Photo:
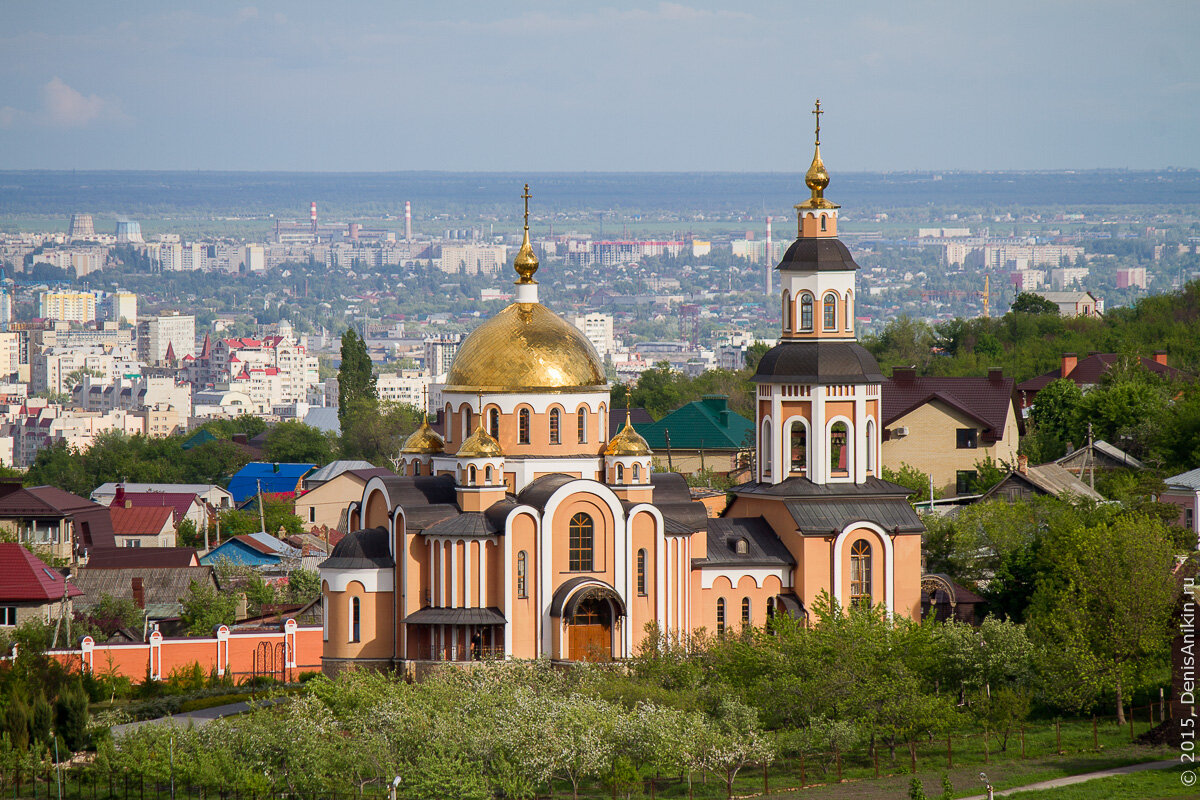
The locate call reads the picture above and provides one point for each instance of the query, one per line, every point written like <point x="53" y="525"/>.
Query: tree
<point x="1107" y="621"/>
<point x="376" y="431"/>
<point x="204" y="608"/>
<point x="1056" y="411"/>
<point x="733" y="740"/>
<point x="754" y="354"/>
<point x="914" y="480"/>
<point x="1030" y="303"/>
<point x="356" y="378"/>
<point x="293" y="442"/>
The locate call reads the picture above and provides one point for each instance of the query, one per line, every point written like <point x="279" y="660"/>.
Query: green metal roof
<point x="703" y="424"/>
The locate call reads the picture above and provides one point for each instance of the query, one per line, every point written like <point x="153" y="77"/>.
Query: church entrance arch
<point x="590" y="612"/>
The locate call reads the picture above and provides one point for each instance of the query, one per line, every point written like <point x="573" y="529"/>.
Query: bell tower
<point x="818" y="396"/>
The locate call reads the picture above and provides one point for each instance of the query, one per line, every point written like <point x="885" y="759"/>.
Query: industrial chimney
<point x="312" y="214"/>
<point x="408" y="220"/>
<point x="769" y="259"/>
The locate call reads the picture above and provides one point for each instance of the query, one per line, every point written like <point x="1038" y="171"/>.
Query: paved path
<point x="197" y="718"/>
<point x="1087" y="776"/>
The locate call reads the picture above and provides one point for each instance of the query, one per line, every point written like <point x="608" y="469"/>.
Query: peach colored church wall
<point x="131" y="660"/>
<point x="602" y="537"/>
<point x="524" y="610"/>
<point x="908" y="574"/>
<point x="878" y="569"/>
<point x="746" y="587"/>
<point x="376" y="622"/>
<point x="641" y="606"/>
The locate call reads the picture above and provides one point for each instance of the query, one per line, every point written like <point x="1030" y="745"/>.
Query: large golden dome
<point x="526" y="348"/>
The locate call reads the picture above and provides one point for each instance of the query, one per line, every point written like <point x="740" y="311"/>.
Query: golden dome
<point x="526" y="262"/>
<point x="424" y="440"/>
<point x="627" y="442"/>
<point x="526" y="348"/>
<point x="817" y="177"/>
<point x="480" y="444"/>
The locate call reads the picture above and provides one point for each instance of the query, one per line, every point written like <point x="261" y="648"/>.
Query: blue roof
<point x="273" y="478"/>
<point x="238" y="552"/>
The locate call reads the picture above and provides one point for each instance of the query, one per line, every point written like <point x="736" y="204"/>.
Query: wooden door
<point x="590" y="632"/>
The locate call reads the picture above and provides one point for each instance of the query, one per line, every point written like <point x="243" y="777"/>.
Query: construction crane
<point x="987" y="295"/>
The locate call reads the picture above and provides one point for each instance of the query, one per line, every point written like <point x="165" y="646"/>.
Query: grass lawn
<point x="1149" y="785"/>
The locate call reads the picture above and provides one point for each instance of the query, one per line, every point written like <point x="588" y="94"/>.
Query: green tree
<point x="294" y="442"/>
<point x="356" y="378"/>
<point x="754" y="354"/>
<point x="376" y="431"/>
<point x="1030" y="303"/>
<point x="1056" y="412"/>
<point x="914" y="480"/>
<point x="204" y="608"/>
<point x="1106" y="619"/>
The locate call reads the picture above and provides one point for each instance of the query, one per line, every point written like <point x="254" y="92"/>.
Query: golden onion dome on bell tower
<point x="424" y="440"/>
<point x="817" y="177"/>
<point x="627" y="442"/>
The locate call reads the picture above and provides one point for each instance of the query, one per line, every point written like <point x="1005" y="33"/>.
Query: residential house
<point x="1075" y="304"/>
<point x="1099" y="456"/>
<point x="261" y="550"/>
<point x="215" y="496"/>
<point x="1088" y="371"/>
<point x="57" y="523"/>
<point x="147" y="557"/>
<point x="698" y="435"/>
<point x="331" y="470"/>
<point x="255" y="477"/>
<point x="158" y="591"/>
<point x="326" y="504"/>
<point x="30" y="590"/>
<point x="1046" y="479"/>
<point x="143" y="526"/>
<point x="1183" y="490"/>
<point x="945" y="426"/>
<point x="186" y="505"/>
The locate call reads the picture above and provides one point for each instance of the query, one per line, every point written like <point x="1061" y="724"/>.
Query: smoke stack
<point x="768" y="258"/>
<point x="312" y="215"/>
<point x="139" y="592"/>
<point x="408" y="220"/>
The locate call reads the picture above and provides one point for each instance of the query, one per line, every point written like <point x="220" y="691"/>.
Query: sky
<point x="599" y="86"/>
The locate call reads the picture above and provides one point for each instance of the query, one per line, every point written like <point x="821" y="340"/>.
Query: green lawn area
<point x="1149" y="785"/>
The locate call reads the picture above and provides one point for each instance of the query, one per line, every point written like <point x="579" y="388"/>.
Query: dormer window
<point x="741" y="547"/>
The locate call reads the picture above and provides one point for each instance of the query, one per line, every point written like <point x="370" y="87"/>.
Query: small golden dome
<point x="480" y="444"/>
<point x="817" y="177"/>
<point x="526" y="348"/>
<point x="424" y="440"/>
<point x="526" y="262"/>
<point x="627" y="442"/>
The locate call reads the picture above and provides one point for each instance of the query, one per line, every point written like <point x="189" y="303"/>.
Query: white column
<point x="453" y="574"/>
<point x="860" y="433"/>
<point x="468" y="574"/>
<point x="778" y="472"/>
<point x="816" y="438"/>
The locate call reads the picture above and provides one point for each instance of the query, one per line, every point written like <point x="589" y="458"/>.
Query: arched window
<point x="523" y="426"/>
<point x="787" y="311"/>
<point x="580" y="543"/>
<point x="830" y="312"/>
<point x="870" y="445"/>
<point x="641" y="572"/>
<point x="798" y="447"/>
<point x="637" y="473"/>
<point x="806" y="312"/>
<point x="620" y="473"/>
<point x="839" y="452"/>
<point x="466" y="422"/>
<point x="471" y="475"/>
<point x="764" y="450"/>
<point x="449" y="424"/>
<point x="355" y="619"/>
<point x="720" y="616"/>
<point x="582" y="425"/>
<point x="554" y="426"/>
<point x="416" y="467"/>
<point x="600" y="423"/>
<point x="521" y="589"/>
<point x="860" y="573"/>
<point x="487" y="475"/>
<point x="494" y="422"/>
<point x="745" y="612"/>
<point x="741" y="547"/>
<point x="823" y="223"/>
<point x="849" y="310"/>
<point x="770" y="609"/>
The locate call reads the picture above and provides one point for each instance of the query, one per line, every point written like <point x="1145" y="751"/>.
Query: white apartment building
<point x="278" y="369"/>
<point x="440" y="352"/>
<point x="52" y="366"/>
<point x="121" y="307"/>
<point x="172" y="332"/>
<point x="598" y="328"/>
<point x="409" y="387"/>
<point x="133" y="393"/>
<point x="195" y="256"/>
<point x="6" y="309"/>
<point x="49" y="424"/>
<point x="170" y="256"/>
<point x="254" y="259"/>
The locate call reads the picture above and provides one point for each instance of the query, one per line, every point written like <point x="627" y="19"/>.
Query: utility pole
<point x="262" y="520"/>
<point x="1091" y="460"/>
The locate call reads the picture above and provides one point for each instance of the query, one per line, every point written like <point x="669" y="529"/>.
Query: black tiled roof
<point x="817" y="255"/>
<point x="823" y="516"/>
<point x="763" y="547"/>
<point x="455" y="616"/>
<point x="468" y="523"/>
<point x="818" y="362"/>
<point x="803" y="487"/>
<point x="365" y="549"/>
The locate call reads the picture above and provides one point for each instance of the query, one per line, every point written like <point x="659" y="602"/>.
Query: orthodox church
<point x="524" y="532"/>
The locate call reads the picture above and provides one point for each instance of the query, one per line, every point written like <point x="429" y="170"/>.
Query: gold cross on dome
<point x="816" y="112"/>
<point x="526" y="195"/>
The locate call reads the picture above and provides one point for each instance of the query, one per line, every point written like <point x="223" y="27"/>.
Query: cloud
<point x="62" y="107"/>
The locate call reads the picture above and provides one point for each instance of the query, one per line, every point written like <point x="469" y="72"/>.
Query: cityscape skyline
<point x="226" y="86"/>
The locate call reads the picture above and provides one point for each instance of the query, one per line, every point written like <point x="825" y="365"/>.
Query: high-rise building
<point x="173" y="332"/>
<point x="440" y="352"/>
<point x="598" y="328"/>
<point x="67" y="306"/>
<point x="129" y="232"/>
<point x="121" y="307"/>
<point x="6" y="309"/>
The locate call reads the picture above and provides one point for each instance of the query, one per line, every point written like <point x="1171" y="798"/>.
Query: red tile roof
<point x="141" y="520"/>
<point x="1089" y="370"/>
<point x="180" y="501"/>
<point x="985" y="400"/>
<point x="24" y="577"/>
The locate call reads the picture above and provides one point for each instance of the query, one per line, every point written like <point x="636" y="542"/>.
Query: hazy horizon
<point x="623" y="87"/>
